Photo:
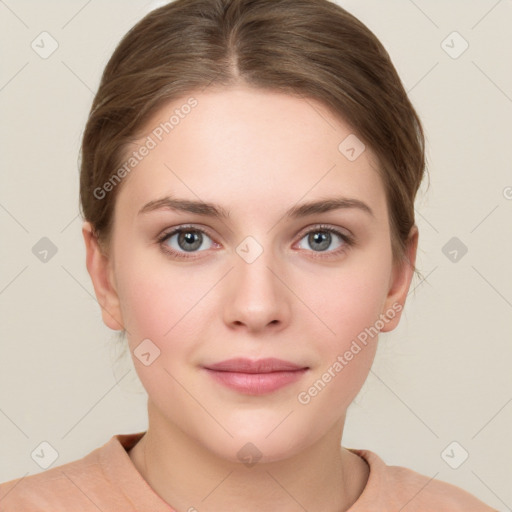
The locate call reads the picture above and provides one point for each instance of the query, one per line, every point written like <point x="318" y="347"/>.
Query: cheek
<point x="346" y="354"/>
<point x="347" y="302"/>
<point x="166" y="305"/>
<point x="155" y="308"/>
<point x="154" y="295"/>
<point x="348" y="306"/>
<point x="145" y="309"/>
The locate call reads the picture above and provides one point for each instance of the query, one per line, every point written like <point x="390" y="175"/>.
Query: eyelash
<point x="349" y="241"/>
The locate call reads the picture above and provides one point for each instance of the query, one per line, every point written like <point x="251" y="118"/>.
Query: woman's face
<point x="268" y="280"/>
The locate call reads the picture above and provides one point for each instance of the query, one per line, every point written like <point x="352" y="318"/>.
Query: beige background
<point x="444" y="375"/>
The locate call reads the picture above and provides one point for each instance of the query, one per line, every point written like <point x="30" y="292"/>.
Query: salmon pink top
<point x="107" y="480"/>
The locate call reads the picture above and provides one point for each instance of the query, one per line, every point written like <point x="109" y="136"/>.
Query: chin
<point x="265" y="444"/>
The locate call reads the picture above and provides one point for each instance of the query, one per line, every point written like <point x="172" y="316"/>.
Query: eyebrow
<point x="216" y="211"/>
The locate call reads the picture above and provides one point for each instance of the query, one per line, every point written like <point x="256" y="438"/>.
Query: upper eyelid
<point x="183" y="227"/>
<point x="323" y="225"/>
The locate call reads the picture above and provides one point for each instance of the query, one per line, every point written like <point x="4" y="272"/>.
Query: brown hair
<point x="311" y="48"/>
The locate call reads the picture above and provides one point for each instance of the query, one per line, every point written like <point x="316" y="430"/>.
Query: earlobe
<point x="99" y="268"/>
<point x="400" y="282"/>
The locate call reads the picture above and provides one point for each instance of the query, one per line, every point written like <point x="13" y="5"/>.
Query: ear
<point x="99" y="268"/>
<point x="400" y="282"/>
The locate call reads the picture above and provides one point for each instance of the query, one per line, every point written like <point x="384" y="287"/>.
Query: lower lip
<point x="256" y="383"/>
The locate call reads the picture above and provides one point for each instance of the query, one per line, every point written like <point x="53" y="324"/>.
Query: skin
<point x="255" y="153"/>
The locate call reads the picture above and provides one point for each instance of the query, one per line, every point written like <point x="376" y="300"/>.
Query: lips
<point x="255" y="377"/>
<point x="243" y="365"/>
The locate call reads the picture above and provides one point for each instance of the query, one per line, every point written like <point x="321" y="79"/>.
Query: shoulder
<point x="402" y="488"/>
<point x="76" y="485"/>
<point x="53" y="489"/>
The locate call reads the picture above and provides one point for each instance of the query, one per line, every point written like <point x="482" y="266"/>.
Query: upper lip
<point x="244" y="365"/>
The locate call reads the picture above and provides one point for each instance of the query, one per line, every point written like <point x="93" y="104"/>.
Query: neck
<point x="322" y="477"/>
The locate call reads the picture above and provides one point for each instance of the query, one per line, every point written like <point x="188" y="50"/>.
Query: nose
<point x="256" y="296"/>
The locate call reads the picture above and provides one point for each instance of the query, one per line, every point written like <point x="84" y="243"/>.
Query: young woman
<point x="248" y="177"/>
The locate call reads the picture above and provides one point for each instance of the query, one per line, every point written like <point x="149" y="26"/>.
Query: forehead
<point x="245" y="148"/>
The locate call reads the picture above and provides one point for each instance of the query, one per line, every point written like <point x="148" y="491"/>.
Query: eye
<point x="321" y="238"/>
<point x="183" y="240"/>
